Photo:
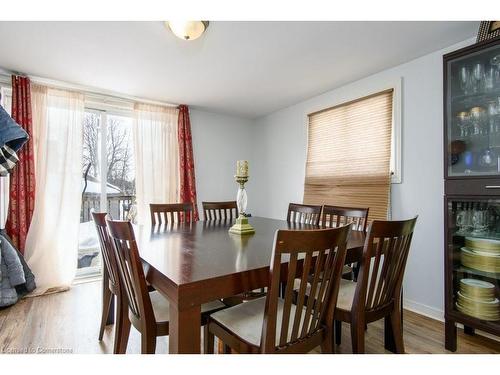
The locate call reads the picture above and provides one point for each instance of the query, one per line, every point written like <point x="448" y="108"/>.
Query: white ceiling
<point x="243" y="68"/>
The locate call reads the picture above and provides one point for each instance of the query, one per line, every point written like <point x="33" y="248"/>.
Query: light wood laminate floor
<point x="68" y="322"/>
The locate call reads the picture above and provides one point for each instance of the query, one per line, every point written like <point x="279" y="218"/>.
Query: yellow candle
<point x="242" y="168"/>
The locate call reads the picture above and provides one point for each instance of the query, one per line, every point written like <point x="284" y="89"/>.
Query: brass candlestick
<point x="242" y="226"/>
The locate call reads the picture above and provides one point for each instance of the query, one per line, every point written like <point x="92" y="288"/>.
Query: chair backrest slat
<point x="220" y="210"/>
<point x="304" y="214"/>
<point x="383" y="264"/>
<point x="303" y="254"/>
<point x="106" y="244"/>
<point x="131" y="271"/>
<point x="163" y="214"/>
<point x="335" y="216"/>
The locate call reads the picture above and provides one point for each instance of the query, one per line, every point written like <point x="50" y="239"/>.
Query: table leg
<point x="184" y="330"/>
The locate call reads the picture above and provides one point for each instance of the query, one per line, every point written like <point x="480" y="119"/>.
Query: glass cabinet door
<point x="474" y="258"/>
<point x="473" y="113"/>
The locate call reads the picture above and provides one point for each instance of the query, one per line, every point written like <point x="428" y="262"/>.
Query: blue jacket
<point x="16" y="279"/>
<point x="11" y="134"/>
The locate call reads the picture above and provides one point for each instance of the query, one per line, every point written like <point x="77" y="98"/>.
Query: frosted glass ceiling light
<point x="187" y="30"/>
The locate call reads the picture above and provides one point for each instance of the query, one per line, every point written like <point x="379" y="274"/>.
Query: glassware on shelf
<point x="492" y="111"/>
<point x="480" y="221"/>
<point x="488" y="159"/>
<point x="465" y="80"/>
<point x="495" y="63"/>
<point x="489" y="78"/>
<point x="468" y="161"/>
<point x="461" y="221"/>
<point x="477" y="77"/>
<point x="463" y="123"/>
<point x="477" y="118"/>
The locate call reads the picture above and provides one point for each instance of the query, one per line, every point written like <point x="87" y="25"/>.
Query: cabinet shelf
<point x="488" y="275"/>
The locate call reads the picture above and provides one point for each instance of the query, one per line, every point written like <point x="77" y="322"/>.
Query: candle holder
<point x="242" y="226"/>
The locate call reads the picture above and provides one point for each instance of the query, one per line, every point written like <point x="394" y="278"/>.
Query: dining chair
<point x="288" y="325"/>
<point x="148" y="312"/>
<point x="169" y="213"/>
<point x="220" y="210"/>
<point x="377" y="292"/>
<point x="335" y="216"/>
<point x="111" y="287"/>
<point x="304" y="214"/>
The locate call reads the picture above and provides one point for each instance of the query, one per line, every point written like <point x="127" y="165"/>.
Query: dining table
<point x="195" y="263"/>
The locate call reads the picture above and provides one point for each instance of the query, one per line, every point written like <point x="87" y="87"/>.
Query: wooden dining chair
<point x="377" y="292"/>
<point x="149" y="312"/>
<point x="111" y="281"/>
<point x="304" y="214"/>
<point x="288" y="325"/>
<point x="335" y="216"/>
<point x="220" y="210"/>
<point x="171" y="213"/>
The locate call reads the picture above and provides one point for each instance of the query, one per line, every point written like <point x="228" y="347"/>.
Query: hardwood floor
<point x="68" y="322"/>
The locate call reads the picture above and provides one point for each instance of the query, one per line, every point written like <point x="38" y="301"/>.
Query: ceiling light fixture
<point x="187" y="30"/>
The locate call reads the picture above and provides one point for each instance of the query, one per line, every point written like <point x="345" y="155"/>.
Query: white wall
<point x="281" y="141"/>
<point x="218" y="141"/>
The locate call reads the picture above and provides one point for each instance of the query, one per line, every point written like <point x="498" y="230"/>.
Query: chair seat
<point x="296" y="283"/>
<point x="245" y="320"/>
<point x="161" y="307"/>
<point x="346" y="294"/>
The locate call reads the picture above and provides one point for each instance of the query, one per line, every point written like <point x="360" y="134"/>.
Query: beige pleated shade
<point x="349" y="152"/>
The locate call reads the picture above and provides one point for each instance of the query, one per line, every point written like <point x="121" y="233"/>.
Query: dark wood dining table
<point x="191" y="264"/>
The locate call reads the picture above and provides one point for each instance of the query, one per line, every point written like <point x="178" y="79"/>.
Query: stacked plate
<point x="477" y="298"/>
<point x="481" y="254"/>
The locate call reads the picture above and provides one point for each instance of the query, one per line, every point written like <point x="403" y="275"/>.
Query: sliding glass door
<point x="108" y="180"/>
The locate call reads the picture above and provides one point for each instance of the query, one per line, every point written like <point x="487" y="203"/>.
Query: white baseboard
<point x="420" y="308"/>
<point x="436" y="314"/>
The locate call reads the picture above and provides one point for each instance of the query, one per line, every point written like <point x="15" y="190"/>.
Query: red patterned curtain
<point x="186" y="160"/>
<point x="22" y="177"/>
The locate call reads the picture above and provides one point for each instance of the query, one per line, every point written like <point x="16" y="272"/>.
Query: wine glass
<point x="489" y="78"/>
<point x="495" y="62"/>
<point x="477" y="77"/>
<point x="478" y="117"/>
<point x="465" y="79"/>
<point x="492" y="114"/>
<point x="463" y="123"/>
<point x="480" y="221"/>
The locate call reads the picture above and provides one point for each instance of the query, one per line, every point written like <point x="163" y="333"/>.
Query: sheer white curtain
<point x="156" y="149"/>
<point x="52" y="242"/>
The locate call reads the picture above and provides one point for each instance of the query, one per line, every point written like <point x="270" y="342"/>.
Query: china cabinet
<point x="472" y="189"/>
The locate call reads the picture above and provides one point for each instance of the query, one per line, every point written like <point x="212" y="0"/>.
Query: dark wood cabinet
<point x="472" y="189"/>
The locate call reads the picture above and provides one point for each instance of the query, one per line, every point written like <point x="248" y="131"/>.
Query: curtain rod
<point x="5" y="77"/>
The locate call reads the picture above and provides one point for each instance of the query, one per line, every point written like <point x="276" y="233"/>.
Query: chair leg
<point x="122" y="328"/>
<point x="148" y="343"/>
<point x="107" y="296"/>
<point x="358" y="337"/>
<point x="208" y="341"/>
<point x="327" y="343"/>
<point x="397" y="331"/>
<point x="338" y="332"/>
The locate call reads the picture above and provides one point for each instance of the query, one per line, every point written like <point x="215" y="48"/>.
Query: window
<point x="349" y="154"/>
<point x="108" y="176"/>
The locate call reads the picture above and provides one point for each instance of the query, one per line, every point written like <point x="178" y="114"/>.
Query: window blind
<point x="349" y="152"/>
